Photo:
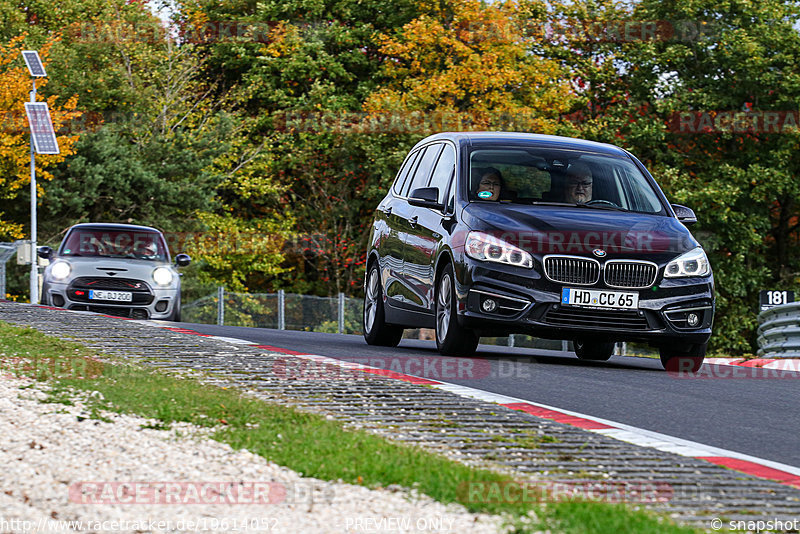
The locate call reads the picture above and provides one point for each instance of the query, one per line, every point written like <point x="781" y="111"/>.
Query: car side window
<point x="404" y="172"/>
<point x="424" y="168"/>
<point x="443" y="172"/>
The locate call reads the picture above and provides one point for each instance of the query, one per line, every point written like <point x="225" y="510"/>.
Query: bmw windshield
<point x="557" y="176"/>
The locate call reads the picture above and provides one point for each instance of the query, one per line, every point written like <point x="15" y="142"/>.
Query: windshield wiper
<point x="568" y="204"/>
<point x="541" y="202"/>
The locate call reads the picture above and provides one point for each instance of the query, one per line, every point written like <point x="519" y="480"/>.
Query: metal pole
<point x="281" y="310"/>
<point x="341" y="313"/>
<point x="220" y="305"/>
<point x="34" y="255"/>
<point x="2" y="280"/>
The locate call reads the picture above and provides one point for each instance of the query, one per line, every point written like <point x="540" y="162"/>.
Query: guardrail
<point x="779" y="331"/>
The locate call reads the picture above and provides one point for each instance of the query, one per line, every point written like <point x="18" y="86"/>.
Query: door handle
<point x="413" y="220"/>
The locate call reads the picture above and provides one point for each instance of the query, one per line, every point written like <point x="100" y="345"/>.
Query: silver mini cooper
<point x="117" y="269"/>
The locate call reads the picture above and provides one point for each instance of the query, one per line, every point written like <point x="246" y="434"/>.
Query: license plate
<point x="117" y="296"/>
<point x="594" y="298"/>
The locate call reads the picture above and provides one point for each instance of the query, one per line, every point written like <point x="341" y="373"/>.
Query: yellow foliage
<point x="15" y="87"/>
<point x="471" y="61"/>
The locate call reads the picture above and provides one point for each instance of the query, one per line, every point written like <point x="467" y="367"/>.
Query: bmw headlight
<point x="485" y="247"/>
<point x="692" y="263"/>
<point x="162" y="276"/>
<point x="60" y="270"/>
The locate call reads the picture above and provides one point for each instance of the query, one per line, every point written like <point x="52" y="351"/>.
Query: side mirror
<point x="684" y="214"/>
<point x="426" y="197"/>
<point x="182" y="260"/>
<point x="45" y="252"/>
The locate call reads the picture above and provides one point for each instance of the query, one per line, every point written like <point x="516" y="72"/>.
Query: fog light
<point x="161" y="305"/>
<point x="692" y="319"/>
<point x="489" y="305"/>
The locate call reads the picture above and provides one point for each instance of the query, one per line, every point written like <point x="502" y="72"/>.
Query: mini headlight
<point x="692" y="263"/>
<point x="162" y="276"/>
<point x="60" y="270"/>
<point x="485" y="247"/>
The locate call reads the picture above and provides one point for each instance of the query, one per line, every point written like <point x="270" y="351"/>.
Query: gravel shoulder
<point x="59" y="462"/>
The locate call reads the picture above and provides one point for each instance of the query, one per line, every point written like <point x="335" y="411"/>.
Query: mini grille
<point x="571" y="270"/>
<point x="629" y="274"/>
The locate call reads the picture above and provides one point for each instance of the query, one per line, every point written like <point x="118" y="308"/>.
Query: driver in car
<point x="579" y="183"/>
<point x="490" y="186"/>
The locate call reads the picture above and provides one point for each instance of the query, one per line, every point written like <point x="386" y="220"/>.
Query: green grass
<point x="307" y="443"/>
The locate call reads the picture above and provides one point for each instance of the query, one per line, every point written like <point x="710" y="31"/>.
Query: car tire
<point x="42" y="297"/>
<point x="451" y="338"/>
<point x="683" y="358"/>
<point x="591" y="351"/>
<point x="376" y="331"/>
<point x="176" y="311"/>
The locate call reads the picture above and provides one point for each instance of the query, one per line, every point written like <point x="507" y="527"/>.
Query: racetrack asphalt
<point x="760" y="417"/>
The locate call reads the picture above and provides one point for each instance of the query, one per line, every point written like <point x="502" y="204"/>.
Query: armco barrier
<point x="779" y="332"/>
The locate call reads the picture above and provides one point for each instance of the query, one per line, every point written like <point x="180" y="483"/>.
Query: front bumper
<point x="526" y="302"/>
<point x="150" y="303"/>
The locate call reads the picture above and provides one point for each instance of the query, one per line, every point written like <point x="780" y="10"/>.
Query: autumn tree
<point x="15" y="87"/>
<point x="467" y="61"/>
<point x="734" y="59"/>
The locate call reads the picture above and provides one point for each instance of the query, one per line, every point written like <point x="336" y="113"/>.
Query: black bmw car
<point x="493" y="233"/>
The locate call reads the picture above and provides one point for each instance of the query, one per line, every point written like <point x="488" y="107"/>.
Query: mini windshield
<point x="560" y="176"/>
<point x="138" y="244"/>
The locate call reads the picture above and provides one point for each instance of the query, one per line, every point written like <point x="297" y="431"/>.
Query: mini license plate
<point x="117" y="296"/>
<point x="595" y="298"/>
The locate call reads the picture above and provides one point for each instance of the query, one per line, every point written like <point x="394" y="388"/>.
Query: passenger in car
<point x="490" y="185"/>
<point x="578" y="186"/>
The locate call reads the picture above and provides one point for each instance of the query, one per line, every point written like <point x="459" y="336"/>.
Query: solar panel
<point x="34" y="64"/>
<point x="44" y="138"/>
